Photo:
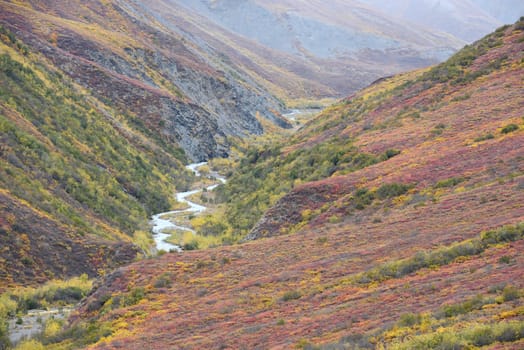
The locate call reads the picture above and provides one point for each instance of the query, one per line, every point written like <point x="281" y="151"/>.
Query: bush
<point x="193" y="245"/>
<point x="504" y="234"/>
<point x="442" y="256"/>
<point x="163" y="281"/>
<point x="505" y="259"/>
<point x="509" y="128"/>
<point x="69" y="294"/>
<point x="449" y="182"/>
<point x="392" y="190"/>
<point x="134" y="297"/>
<point x="510" y="293"/>
<point x="291" y="295"/>
<point x="456" y="339"/>
<point x="465" y="307"/>
<point x="488" y="136"/>
<point x="482" y="336"/>
<point x="390" y="153"/>
<point x="409" y="320"/>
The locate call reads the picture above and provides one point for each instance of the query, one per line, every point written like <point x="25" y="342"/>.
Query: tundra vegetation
<point x="393" y="219"/>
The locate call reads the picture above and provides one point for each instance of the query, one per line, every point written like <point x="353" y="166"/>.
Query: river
<point x="163" y="222"/>
<point x="300" y="116"/>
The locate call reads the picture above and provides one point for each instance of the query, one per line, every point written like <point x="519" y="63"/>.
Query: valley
<point x="168" y="221"/>
<point x="258" y="174"/>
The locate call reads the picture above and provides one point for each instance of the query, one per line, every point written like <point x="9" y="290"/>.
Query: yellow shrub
<point x="30" y="345"/>
<point x="52" y="327"/>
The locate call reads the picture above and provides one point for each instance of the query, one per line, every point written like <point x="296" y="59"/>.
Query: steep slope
<point x="184" y="91"/>
<point x="343" y="45"/>
<point x="468" y="20"/>
<point x="78" y="180"/>
<point x="419" y="249"/>
<point x="421" y="122"/>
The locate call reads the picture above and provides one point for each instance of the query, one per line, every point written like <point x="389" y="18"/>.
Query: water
<point x="160" y="222"/>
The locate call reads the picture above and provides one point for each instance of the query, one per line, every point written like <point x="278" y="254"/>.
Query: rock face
<point x="195" y="73"/>
<point x="185" y="92"/>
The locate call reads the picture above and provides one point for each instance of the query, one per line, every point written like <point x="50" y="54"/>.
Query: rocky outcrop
<point x="173" y="88"/>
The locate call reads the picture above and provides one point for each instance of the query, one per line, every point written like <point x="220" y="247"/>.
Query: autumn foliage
<point x="420" y="249"/>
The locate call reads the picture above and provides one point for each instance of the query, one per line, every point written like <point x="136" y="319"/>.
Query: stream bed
<point x="164" y="222"/>
<point x="32" y="324"/>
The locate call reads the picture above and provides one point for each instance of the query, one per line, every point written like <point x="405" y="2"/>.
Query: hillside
<point x="78" y="180"/>
<point x="184" y="92"/>
<point x="101" y="105"/>
<point x="410" y="236"/>
<point x="336" y="46"/>
<point x="467" y="20"/>
<point x="389" y="126"/>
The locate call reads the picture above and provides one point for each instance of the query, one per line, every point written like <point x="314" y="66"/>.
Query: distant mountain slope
<point x="411" y="238"/>
<point x="506" y="11"/>
<point x="316" y="28"/>
<point x="464" y="19"/>
<point x="347" y="44"/>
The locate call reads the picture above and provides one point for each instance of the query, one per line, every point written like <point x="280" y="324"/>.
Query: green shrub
<point x="392" y="190"/>
<point x="390" y="153"/>
<point x="362" y="198"/>
<point x="449" y="182"/>
<point x="485" y="137"/>
<point x="510" y="293"/>
<point x="509" y="128"/>
<point x="441" y="256"/>
<point x="133" y="297"/>
<point x="291" y="295"/>
<point x="458" y="339"/>
<point x="503" y="234"/>
<point x="193" y="245"/>
<point x="163" y="281"/>
<point x="409" y="320"/>
<point x="465" y="307"/>
<point x="488" y="334"/>
<point x="70" y="294"/>
<point x="505" y="259"/>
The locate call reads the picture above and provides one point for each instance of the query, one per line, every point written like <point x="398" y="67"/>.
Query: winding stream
<point x="165" y="222"/>
<point x="160" y="222"/>
<point x="292" y="115"/>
